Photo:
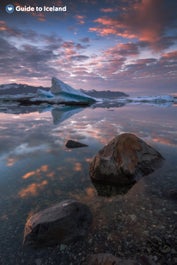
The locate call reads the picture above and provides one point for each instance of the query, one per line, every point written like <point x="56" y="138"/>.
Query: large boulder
<point x="124" y="160"/>
<point x="65" y="222"/>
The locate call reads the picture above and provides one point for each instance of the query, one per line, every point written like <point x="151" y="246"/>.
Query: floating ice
<point x="45" y="93"/>
<point x="67" y="93"/>
<point x="163" y="98"/>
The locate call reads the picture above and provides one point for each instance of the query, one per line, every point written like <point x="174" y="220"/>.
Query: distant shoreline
<point x="16" y="89"/>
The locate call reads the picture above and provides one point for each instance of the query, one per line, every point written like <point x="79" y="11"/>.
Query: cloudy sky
<point x="127" y="45"/>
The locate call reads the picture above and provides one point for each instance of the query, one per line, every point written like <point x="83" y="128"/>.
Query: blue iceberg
<point x="63" y="93"/>
<point x="67" y="93"/>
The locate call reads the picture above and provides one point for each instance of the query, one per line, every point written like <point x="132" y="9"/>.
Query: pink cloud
<point x="107" y="10"/>
<point x="145" y="20"/>
<point x="80" y="19"/>
<point x="68" y="45"/>
<point x="110" y="26"/>
<point x="170" y="55"/>
<point x="123" y="49"/>
<point x="104" y="31"/>
<point x="3" y="26"/>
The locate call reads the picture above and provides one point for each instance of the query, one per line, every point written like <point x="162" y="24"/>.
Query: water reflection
<point x="77" y="167"/>
<point x="63" y="113"/>
<point x="36" y="171"/>
<point x="32" y="189"/>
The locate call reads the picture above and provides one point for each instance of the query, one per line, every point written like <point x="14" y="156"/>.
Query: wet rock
<point x="63" y="223"/>
<point x="144" y="260"/>
<point x="74" y="144"/>
<point x="38" y="262"/>
<point x="172" y="194"/>
<point x="109" y="259"/>
<point x="124" y="161"/>
<point x="102" y="259"/>
<point x="109" y="190"/>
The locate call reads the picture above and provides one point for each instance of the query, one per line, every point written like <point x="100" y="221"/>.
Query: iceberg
<point x="61" y="93"/>
<point x="13" y="96"/>
<point x="157" y="99"/>
<point x="45" y="93"/>
<point x="160" y="101"/>
<point x="66" y="93"/>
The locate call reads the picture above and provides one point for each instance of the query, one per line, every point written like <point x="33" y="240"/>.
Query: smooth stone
<point x="124" y="160"/>
<point x="62" y="223"/>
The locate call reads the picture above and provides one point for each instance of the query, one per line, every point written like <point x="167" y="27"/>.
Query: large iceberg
<point x="67" y="93"/>
<point x="13" y="96"/>
<point x="61" y="92"/>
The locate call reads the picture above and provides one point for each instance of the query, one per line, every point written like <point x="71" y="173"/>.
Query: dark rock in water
<point x="74" y="144"/>
<point x="65" y="222"/>
<point x="124" y="161"/>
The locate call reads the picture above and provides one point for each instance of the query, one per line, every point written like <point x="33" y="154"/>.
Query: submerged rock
<point x="124" y="161"/>
<point x="64" y="222"/>
<point x="74" y="144"/>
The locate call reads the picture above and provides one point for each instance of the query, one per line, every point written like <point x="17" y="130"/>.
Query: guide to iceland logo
<point x="10" y="8"/>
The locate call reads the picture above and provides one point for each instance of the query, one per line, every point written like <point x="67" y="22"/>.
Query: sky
<point x="121" y="45"/>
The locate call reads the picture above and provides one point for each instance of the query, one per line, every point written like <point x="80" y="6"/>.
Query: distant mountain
<point x="105" y="94"/>
<point x="14" y="89"/>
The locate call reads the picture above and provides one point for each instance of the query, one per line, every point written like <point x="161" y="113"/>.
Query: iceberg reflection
<point x="63" y="113"/>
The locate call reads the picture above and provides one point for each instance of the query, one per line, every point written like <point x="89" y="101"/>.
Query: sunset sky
<point x="125" y="45"/>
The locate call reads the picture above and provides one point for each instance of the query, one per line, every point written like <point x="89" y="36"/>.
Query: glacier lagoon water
<point x="37" y="170"/>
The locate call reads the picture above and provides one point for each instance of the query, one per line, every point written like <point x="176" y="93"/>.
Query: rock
<point x="172" y="194"/>
<point x="102" y="259"/>
<point x="74" y="144"/>
<point x="124" y="161"/>
<point x="62" y="223"/>
<point x="108" y="259"/>
<point x="38" y="261"/>
<point x="109" y="190"/>
<point x="144" y="260"/>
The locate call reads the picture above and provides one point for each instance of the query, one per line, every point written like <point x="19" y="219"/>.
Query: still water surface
<point x="37" y="170"/>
